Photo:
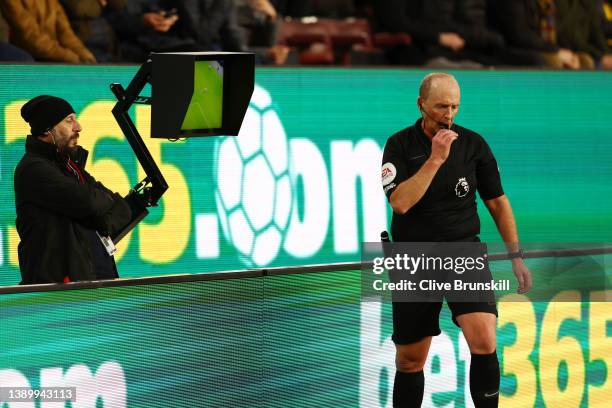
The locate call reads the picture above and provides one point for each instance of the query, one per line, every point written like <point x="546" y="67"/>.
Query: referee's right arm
<point x="410" y="191"/>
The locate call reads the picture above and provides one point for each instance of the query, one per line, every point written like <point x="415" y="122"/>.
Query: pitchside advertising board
<point x="301" y="185"/>
<point x="284" y="341"/>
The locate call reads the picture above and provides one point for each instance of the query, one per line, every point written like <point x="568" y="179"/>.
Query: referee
<point x="430" y="174"/>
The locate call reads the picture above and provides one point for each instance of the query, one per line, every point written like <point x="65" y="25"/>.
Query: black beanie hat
<point x="44" y="112"/>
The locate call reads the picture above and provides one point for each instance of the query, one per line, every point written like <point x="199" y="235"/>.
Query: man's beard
<point x="67" y="149"/>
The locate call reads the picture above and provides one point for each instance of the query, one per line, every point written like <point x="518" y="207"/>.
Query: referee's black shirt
<point x="447" y="211"/>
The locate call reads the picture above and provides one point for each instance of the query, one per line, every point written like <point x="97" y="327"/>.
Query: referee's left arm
<point x="501" y="211"/>
<point x="502" y="214"/>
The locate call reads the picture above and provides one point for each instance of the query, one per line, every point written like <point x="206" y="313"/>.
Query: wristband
<point x="518" y="254"/>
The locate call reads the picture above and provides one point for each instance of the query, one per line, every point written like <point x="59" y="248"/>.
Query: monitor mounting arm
<point x="148" y="191"/>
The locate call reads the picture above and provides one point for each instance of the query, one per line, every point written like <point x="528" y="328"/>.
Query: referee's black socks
<point x="408" y="389"/>
<point x="484" y="380"/>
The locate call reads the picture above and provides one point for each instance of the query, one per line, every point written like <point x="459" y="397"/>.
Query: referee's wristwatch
<point x="517" y="254"/>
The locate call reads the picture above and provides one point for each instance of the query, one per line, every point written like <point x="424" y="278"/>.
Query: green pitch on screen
<point x="205" y="110"/>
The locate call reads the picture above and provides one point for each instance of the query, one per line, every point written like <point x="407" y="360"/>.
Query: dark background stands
<point x="142" y="27"/>
<point x="605" y="11"/>
<point x="214" y="24"/>
<point x="519" y="22"/>
<point x="9" y="52"/>
<point x="41" y="28"/>
<point x="445" y="33"/>
<point x="87" y="18"/>
<point x="579" y="29"/>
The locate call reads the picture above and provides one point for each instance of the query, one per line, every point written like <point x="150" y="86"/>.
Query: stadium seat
<point x="330" y="41"/>
<point x="387" y="40"/>
<point x="347" y="34"/>
<point x="311" y="39"/>
<point x="317" y="54"/>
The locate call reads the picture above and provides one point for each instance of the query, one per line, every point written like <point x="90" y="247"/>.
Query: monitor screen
<point x="205" y="109"/>
<point x="200" y="93"/>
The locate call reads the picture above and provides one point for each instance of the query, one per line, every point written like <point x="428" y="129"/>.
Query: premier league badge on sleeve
<point x="462" y="187"/>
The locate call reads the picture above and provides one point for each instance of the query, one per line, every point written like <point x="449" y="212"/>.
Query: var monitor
<point x="200" y="93"/>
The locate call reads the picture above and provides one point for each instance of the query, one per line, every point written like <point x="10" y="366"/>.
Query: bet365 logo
<point x="254" y="189"/>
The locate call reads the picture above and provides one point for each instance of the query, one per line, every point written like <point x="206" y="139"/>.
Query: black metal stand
<point x="147" y="192"/>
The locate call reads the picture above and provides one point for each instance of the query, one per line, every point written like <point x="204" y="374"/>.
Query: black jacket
<point x="579" y="27"/>
<point x="424" y="20"/>
<point x="131" y="30"/>
<point x="519" y="22"/>
<point x="57" y="215"/>
<point x="408" y="16"/>
<point x="214" y="23"/>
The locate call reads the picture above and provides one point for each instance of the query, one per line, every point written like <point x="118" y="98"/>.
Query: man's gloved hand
<point x="137" y="201"/>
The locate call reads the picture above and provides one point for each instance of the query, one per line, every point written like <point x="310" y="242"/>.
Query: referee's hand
<point x="441" y="144"/>
<point x="523" y="275"/>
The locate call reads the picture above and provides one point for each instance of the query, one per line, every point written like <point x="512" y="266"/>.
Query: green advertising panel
<point x="303" y="340"/>
<point x="301" y="184"/>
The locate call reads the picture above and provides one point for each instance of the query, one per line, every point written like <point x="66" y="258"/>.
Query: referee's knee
<point x="483" y="345"/>
<point x="409" y="364"/>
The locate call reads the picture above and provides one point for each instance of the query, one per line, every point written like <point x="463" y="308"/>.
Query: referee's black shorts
<point x="415" y="320"/>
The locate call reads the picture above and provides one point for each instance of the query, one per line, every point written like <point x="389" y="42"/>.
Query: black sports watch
<point x="518" y="254"/>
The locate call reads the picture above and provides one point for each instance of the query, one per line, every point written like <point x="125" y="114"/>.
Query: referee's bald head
<point x="434" y="80"/>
